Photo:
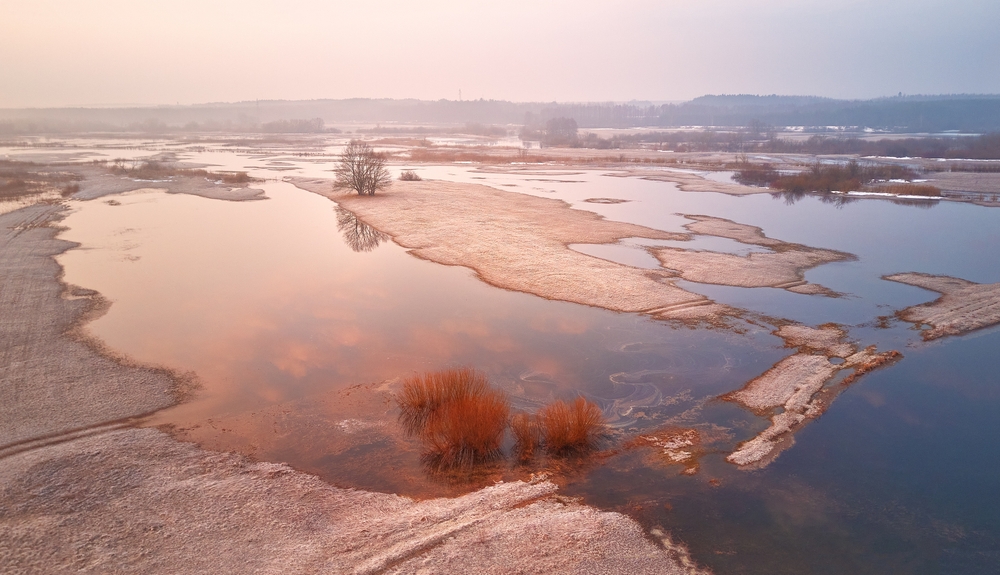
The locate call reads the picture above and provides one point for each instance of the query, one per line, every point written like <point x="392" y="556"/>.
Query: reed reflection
<point x="358" y="235"/>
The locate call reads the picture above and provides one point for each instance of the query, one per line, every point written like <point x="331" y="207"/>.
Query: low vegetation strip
<point x="964" y="306"/>
<point x="461" y="420"/>
<point x="849" y="177"/>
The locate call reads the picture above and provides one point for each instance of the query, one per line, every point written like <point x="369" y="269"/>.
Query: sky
<point x="151" y="52"/>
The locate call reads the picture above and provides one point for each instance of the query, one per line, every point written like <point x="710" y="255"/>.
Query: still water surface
<point x="279" y="317"/>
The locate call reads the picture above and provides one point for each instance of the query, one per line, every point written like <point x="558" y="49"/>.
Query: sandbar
<point x="520" y="242"/>
<point x="964" y="306"/>
<point x="795" y="385"/>
<point x="783" y="267"/>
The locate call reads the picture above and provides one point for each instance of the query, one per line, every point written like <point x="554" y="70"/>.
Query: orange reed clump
<point x="527" y="434"/>
<point x="425" y="395"/>
<point x="467" y="431"/>
<point x="571" y="427"/>
<point x="459" y="417"/>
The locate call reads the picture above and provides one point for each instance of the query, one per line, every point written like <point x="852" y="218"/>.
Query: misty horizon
<point x="112" y="53"/>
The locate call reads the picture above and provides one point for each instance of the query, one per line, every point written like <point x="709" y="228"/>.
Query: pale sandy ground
<point x="964" y="306"/>
<point x="82" y="491"/>
<point x="794" y="385"/>
<point x="136" y="501"/>
<point x="519" y="242"/>
<point x="784" y="267"/>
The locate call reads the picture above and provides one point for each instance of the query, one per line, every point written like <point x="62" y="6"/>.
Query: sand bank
<point x="796" y="386"/>
<point x="964" y="306"/>
<point x="783" y="267"/>
<point x="53" y="382"/>
<point x="519" y="242"/>
<point x="136" y="501"/>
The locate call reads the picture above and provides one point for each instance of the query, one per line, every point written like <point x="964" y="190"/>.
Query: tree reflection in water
<point x="358" y="235"/>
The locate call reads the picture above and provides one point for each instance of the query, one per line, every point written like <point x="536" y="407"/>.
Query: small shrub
<point x="759" y="175"/>
<point x="459" y="417"/>
<point x="424" y="395"/>
<point x="236" y="177"/>
<point x="571" y="427"/>
<point x="410" y="176"/>
<point x="467" y="431"/>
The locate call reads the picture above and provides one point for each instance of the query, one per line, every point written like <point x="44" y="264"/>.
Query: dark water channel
<point x="298" y="323"/>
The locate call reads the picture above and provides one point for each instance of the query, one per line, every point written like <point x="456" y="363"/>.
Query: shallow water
<point x="279" y="318"/>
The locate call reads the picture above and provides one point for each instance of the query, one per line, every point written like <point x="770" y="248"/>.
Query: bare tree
<point x="361" y="169"/>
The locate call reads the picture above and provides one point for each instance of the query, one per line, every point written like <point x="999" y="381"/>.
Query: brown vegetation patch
<point x="964" y="306"/>
<point x="925" y="190"/>
<point x="459" y="418"/>
<point x="527" y="435"/>
<point x="19" y="179"/>
<point x="573" y="427"/>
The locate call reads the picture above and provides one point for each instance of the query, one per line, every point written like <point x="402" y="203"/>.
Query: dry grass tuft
<point x="911" y="190"/>
<point x="423" y="396"/>
<point x="467" y="431"/>
<point x="527" y="434"/>
<point x="571" y="427"/>
<point x="410" y="176"/>
<point x="460" y="418"/>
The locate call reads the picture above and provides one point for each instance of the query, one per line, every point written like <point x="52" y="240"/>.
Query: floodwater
<point x="299" y="322"/>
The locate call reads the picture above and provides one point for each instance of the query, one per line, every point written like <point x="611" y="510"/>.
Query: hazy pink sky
<point x="57" y="53"/>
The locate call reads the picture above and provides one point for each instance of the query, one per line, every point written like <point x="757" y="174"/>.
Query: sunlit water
<point x="279" y="317"/>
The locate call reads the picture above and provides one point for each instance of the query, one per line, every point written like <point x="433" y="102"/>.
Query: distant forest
<point x="963" y="113"/>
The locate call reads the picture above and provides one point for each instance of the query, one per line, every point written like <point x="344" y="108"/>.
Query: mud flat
<point x="964" y="306"/>
<point x="520" y="242"/>
<point x="784" y="267"/>
<point x="796" y="386"/>
<point x="82" y="490"/>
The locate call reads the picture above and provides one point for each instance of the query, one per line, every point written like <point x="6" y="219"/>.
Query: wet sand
<point x="963" y="307"/>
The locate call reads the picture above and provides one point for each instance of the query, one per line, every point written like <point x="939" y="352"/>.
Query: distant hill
<point x="964" y="112"/>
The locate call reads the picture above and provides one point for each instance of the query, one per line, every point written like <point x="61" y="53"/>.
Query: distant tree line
<point x="969" y="113"/>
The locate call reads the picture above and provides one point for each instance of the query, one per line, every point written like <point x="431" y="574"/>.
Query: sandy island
<point x="964" y="306"/>
<point x="520" y="242"/>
